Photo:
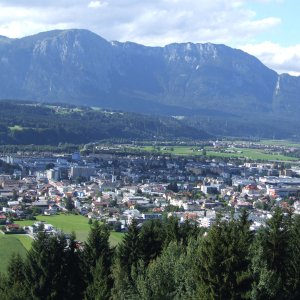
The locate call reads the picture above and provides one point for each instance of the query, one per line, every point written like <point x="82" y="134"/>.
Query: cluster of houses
<point x="120" y="189"/>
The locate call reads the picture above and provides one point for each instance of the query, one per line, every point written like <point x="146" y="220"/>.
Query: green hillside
<point x="28" y="123"/>
<point x="10" y="244"/>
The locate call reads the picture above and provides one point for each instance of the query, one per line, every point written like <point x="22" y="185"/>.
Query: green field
<point x="16" y="127"/>
<point x="10" y="244"/>
<point x="68" y="223"/>
<point x="252" y="153"/>
<point x="178" y="150"/>
<point x="248" y="153"/>
<point x="280" y="143"/>
<point x="115" y="238"/>
<point x="109" y="112"/>
<point x="25" y="240"/>
<point x="274" y="142"/>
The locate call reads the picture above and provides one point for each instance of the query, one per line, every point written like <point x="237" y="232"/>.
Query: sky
<point x="267" y="29"/>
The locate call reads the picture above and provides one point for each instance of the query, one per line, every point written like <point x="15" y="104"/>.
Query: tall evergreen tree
<point x="74" y="287"/>
<point x="97" y="250"/>
<point x="13" y="283"/>
<point x="129" y="251"/>
<point x="151" y="240"/>
<point x="15" y="269"/>
<point x="172" y="231"/>
<point x="44" y="267"/>
<point x="273" y="258"/>
<point x="222" y="263"/>
<point x="189" y="231"/>
<point x="294" y="250"/>
<point x="128" y="254"/>
<point x="175" y="187"/>
<point x="100" y="287"/>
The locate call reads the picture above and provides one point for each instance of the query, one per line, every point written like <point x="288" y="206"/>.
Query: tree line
<point x="27" y="124"/>
<point x="162" y="260"/>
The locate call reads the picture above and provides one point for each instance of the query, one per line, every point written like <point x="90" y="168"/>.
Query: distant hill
<point x="80" y="67"/>
<point x="29" y="123"/>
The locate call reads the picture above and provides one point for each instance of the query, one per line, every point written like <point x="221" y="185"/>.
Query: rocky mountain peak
<point x="81" y="67"/>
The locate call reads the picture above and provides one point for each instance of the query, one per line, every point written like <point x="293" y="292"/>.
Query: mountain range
<point x="79" y="67"/>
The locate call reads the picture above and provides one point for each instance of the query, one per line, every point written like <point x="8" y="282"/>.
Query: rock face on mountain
<point x="80" y="67"/>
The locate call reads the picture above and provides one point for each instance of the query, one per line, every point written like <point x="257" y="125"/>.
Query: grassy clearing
<point x="66" y="223"/>
<point x="114" y="239"/>
<point x="8" y="245"/>
<point x="108" y="112"/>
<point x="16" y="127"/>
<point x="69" y="223"/>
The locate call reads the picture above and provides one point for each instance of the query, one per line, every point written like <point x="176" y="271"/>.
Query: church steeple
<point x="114" y="177"/>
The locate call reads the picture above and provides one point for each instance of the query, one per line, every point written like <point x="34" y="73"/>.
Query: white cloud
<point x="150" y="22"/>
<point x="96" y="4"/>
<point x="280" y="59"/>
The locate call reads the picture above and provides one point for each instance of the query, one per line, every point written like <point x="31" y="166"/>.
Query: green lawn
<point x="68" y="223"/>
<point x="115" y="238"/>
<point x="10" y="244"/>
<point x="25" y="240"/>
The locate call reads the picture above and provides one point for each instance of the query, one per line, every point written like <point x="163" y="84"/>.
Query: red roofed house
<point x="68" y="194"/>
<point x="250" y="189"/>
<point x="12" y="226"/>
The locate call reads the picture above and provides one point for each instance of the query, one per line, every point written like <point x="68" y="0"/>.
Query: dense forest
<point x="162" y="260"/>
<point x="39" y="124"/>
<point x="258" y="127"/>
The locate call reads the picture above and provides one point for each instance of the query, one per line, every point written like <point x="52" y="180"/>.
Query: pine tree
<point x="97" y="248"/>
<point x="13" y="287"/>
<point x="15" y="272"/>
<point x="100" y="288"/>
<point x="44" y="267"/>
<point x="189" y="231"/>
<point x="172" y="231"/>
<point x="74" y="287"/>
<point x="169" y="276"/>
<point x="129" y="251"/>
<point x="272" y="249"/>
<point x="294" y="270"/>
<point x="151" y="240"/>
<point x="175" y="187"/>
<point x="222" y="262"/>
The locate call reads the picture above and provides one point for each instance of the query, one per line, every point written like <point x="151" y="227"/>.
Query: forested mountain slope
<point x="36" y="124"/>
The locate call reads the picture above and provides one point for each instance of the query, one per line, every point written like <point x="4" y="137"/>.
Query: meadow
<point x="17" y="127"/>
<point x="274" y="142"/>
<point x="247" y="153"/>
<point x="9" y="244"/>
<point x="68" y="223"/>
<point x="252" y="154"/>
<point x="22" y="243"/>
